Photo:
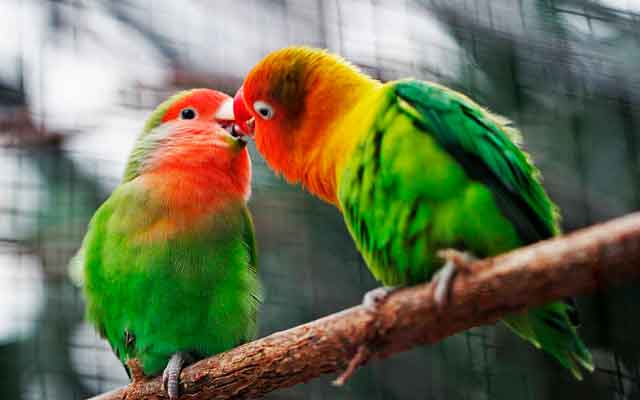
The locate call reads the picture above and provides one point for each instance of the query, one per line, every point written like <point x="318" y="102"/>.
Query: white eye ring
<point x="264" y="110"/>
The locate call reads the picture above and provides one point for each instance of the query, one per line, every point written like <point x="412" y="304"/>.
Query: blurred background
<point x="78" y="78"/>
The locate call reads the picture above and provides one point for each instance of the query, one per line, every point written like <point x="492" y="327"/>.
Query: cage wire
<point x="78" y="78"/>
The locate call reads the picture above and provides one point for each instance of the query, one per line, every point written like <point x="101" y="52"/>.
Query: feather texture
<point x="437" y="171"/>
<point x="169" y="260"/>
<point x="415" y="168"/>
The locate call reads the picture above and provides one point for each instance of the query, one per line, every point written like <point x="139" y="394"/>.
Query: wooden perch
<point x="581" y="262"/>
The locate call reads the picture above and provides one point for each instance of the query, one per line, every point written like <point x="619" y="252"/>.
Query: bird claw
<point x="455" y="262"/>
<point x="375" y="297"/>
<point x="171" y="375"/>
<point x="371" y="301"/>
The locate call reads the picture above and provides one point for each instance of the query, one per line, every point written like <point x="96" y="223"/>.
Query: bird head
<point x="192" y="132"/>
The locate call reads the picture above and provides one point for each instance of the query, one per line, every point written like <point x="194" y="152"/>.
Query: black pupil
<point x="188" y="113"/>
<point x="264" y="112"/>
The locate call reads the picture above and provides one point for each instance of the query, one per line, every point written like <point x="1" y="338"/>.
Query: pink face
<point x="195" y="139"/>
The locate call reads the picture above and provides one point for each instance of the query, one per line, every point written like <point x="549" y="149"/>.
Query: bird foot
<point x="371" y="301"/>
<point x="362" y="356"/>
<point x="455" y="262"/>
<point x="171" y="374"/>
<point x="375" y="297"/>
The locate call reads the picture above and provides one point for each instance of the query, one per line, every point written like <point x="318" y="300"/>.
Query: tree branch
<point x="581" y="262"/>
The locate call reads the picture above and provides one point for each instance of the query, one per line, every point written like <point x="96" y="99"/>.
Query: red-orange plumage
<point x="193" y="181"/>
<point x="205" y="101"/>
<point x="199" y="168"/>
<point x="297" y="140"/>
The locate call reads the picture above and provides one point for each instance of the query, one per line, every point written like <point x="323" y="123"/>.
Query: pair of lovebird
<point x="415" y="168"/>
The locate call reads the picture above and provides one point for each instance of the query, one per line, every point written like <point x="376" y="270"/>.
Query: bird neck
<point x="194" y="182"/>
<point x="320" y="160"/>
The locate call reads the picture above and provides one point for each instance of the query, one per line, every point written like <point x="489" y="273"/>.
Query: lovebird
<point x="169" y="260"/>
<point x="424" y="177"/>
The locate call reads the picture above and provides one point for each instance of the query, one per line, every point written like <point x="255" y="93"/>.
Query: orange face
<point x="289" y="103"/>
<point x="194" y="141"/>
<point x="263" y="118"/>
<point x="288" y="88"/>
<point x="258" y="110"/>
<point x="277" y="106"/>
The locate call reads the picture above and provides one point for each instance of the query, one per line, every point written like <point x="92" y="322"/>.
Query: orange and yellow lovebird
<point x="414" y="167"/>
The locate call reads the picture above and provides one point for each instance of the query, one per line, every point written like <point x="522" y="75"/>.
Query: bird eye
<point x="263" y="109"/>
<point x="188" y="113"/>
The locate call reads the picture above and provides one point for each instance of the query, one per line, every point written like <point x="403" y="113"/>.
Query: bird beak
<point x="225" y="112"/>
<point x="244" y="120"/>
<point x="224" y="117"/>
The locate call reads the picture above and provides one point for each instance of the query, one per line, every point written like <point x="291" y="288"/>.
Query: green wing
<point x="250" y="238"/>
<point x="483" y="144"/>
<point x="250" y="241"/>
<point x="435" y="170"/>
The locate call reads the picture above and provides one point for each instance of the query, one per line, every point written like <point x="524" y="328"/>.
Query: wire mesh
<point x="78" y="78"/>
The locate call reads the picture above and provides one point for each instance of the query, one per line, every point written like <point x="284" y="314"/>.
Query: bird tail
<point x="551" y="329"/>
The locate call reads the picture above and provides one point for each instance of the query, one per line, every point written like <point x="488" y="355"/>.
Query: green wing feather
<point x="484" y="145"/>
<point x="435" y="170"/>
<point x="250" y="239"/>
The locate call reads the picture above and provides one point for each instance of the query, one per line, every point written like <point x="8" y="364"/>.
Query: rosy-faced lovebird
<point x="169" y="260"/>
<point x="420" y="173"/>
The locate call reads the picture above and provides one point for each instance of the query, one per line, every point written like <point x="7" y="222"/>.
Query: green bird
<point x="414" y="167"/>
<point x="169" y="260"/>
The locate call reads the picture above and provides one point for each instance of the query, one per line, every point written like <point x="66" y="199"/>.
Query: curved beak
<point x="224" y="117"/>
<point x="225" y="112"/>
<point x="243" y="118"/>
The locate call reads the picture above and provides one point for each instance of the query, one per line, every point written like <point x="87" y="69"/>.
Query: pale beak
<point x="225" y="112"/>
<point x="225" y="117"/>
